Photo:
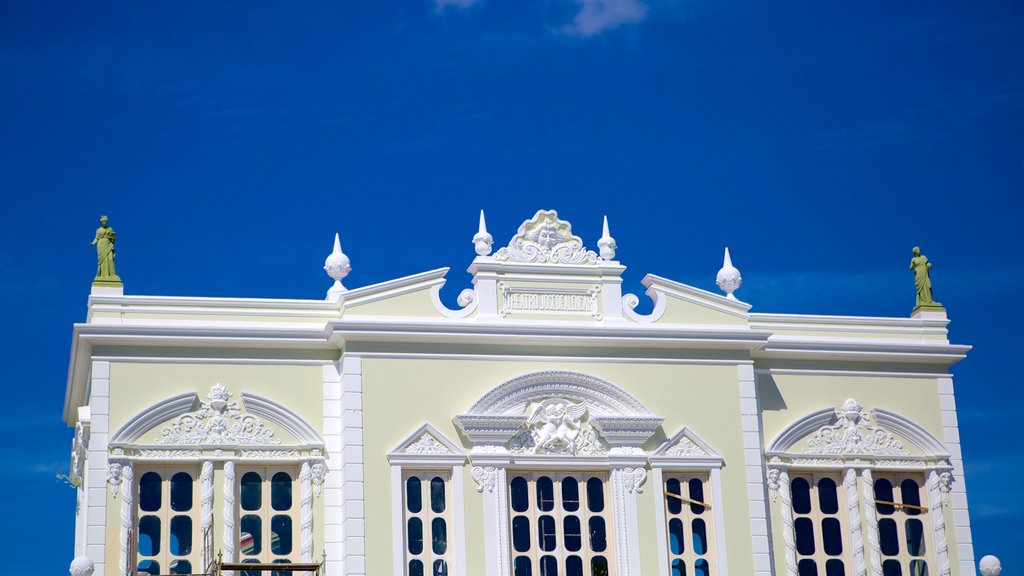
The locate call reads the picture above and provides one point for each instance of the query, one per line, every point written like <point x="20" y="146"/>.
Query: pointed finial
<point x="728" y="278"/>
<point x="337" y="266"/>
<point x="482" y="240"/>
<point x="607" y="244"/>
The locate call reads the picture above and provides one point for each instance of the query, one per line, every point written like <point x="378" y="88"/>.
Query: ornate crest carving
<point x="546" y="238"/>
<point x="685" y="447"/>
<point x="318" y="473"/>
<point x="633" y="479"/>
<point x="486" y="478"/>
<point x="557" y="426"/>
<point x="426" y="444"/>
<point x="218" y="421"/>
<point x="854" y="432"/>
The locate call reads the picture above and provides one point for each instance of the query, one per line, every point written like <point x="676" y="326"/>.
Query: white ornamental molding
<point x="115" y="475"/>
<point x="206" y="508"/>
<point x="774" y="477"/>
<point x="685" y="447"/>
<point x="82" y="566"/>
<point x="306" y="494"/>
<point x="127" y="509"/>
<point x="318" y="474"/>
<point x="854" y="432"/>
<point x="269" y="454"/>
<point x="853" y="515"/>
<point x="219" y="421"/>
<point x="874" y="550"/>
<point x="168" y="454"/>
<point x="546" y="238"/>
<point x="229" y="511"/>
<point x="486" y="478"/>
<point x="427" y="444"/>
<point x="632" y="479"/>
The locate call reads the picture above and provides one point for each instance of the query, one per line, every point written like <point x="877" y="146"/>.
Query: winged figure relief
<point x="556" y="421"/>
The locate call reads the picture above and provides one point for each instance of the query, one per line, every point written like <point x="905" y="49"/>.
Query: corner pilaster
<point x="753" y="460"/>
<point x="951" y="438"/>
<point x="96" y="475"/>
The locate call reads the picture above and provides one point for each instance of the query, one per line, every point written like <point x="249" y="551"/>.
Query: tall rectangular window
<point x="268" y="516"/>
<point x="427" y="513"/>
<point x="167" y="527"/>
<point x="688" y="515"/>
<point x="903" y="525"/>
<point x="560" y="524"/>
<point x="819" y="518"/>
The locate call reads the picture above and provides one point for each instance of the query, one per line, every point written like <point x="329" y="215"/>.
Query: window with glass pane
<point x="688" y="513"/>
<point x="903" y="528"/>
<point x="819" y="516"/>
<point x="560" y="524"/>
<point x="268" y="517"/>
<point x="167" y="521"/>
<point x="427" y="515"/>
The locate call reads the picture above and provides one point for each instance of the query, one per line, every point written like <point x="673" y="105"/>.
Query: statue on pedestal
<point x="104" y="243"/>
<point x="922" y="281"/>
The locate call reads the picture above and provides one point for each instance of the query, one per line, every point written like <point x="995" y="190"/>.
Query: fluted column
<point x="853" y="515"/>
<point x="127" y="512"/>
<point x="306" y="493"/>
<point x="871" y="514"/>
<point x="229" y="513"/>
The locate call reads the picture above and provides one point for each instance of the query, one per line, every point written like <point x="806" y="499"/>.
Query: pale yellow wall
<point x="135" y="386"/>
<point x="679" y="311"/>
<point x="786" y="398"/>
<point x="409" y="392"/>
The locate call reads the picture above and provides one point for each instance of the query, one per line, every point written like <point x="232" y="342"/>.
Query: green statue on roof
<point x="104" y="243"/>
<point x="923" y="282"/>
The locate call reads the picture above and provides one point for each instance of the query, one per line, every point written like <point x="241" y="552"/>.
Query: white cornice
<point x="875" y="350"/>
<point x="697" y="296"/>
<point x="391" y="288"/>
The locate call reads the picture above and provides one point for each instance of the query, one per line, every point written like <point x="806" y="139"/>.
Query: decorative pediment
<point x="685" y="445"/>
<point x="850" y="431"/>
<point x="557" y="412"/>
<point x="426" y="442"/>
<point x="546" y="238"/>
<point x="854" y="431"/>
<point x="218" y="421"/>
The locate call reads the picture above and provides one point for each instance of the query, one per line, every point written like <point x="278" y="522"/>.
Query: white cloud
<point x="596" y="16"/>
<point x="440" y="5"/>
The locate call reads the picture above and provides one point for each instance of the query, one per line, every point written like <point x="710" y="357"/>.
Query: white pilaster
<point x="334" y="517"/>
<point x="127" y="513"/>
<point x="753" y="460"/>
<point x="493" y="482"/>
<point x="786" y="511"/>
<point x="206" y="512"/>
<point x="228" y="536"/>
<point x="96" y="474"/>
<point x="938" y="521"/>
<point x="626" y="483"/>
<point x="306" y="521"/>
<point x="353" y="542"/>
<point x="871" y="515"/>
<point x="951" y="437"/>
<point x="853" y="516"/>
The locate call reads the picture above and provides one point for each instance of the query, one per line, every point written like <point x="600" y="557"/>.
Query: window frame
<point x="167" y="471"/>
<point x="896" y="478"/>
<point x="817" y="517"/>
<point x="267" y="470"/>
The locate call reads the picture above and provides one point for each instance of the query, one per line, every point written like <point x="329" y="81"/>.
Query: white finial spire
<point x="607" y="244"/>
<point x="482" y="240"/>
<point x="337" y="266"/>
<point x="728" y="278"/>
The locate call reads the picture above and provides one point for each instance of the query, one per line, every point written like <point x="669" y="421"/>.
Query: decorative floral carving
<point x="854" y="432"/>
<point x="427" y="444"/>
<point x="277" y="454"/>
<point x="218" y="421"/>
<point x="486" y="478"/>
<point x="546" y="239"/>
<point x="633" y="479"/>
<point x="157" y="453"/>
<point x="685" y="447"/>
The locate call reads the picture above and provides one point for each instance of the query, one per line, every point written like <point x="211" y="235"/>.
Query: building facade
<point x="544" y="428"/>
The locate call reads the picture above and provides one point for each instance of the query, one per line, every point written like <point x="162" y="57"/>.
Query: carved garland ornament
<point x="218" y="421"/>
<point x="685" y="447"/>
<point x="546" y="238"/>
<point x="426" y="444"/>
<point x="854" y="432"/>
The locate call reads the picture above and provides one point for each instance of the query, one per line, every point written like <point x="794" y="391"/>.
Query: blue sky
<point x="228" y="141"/>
